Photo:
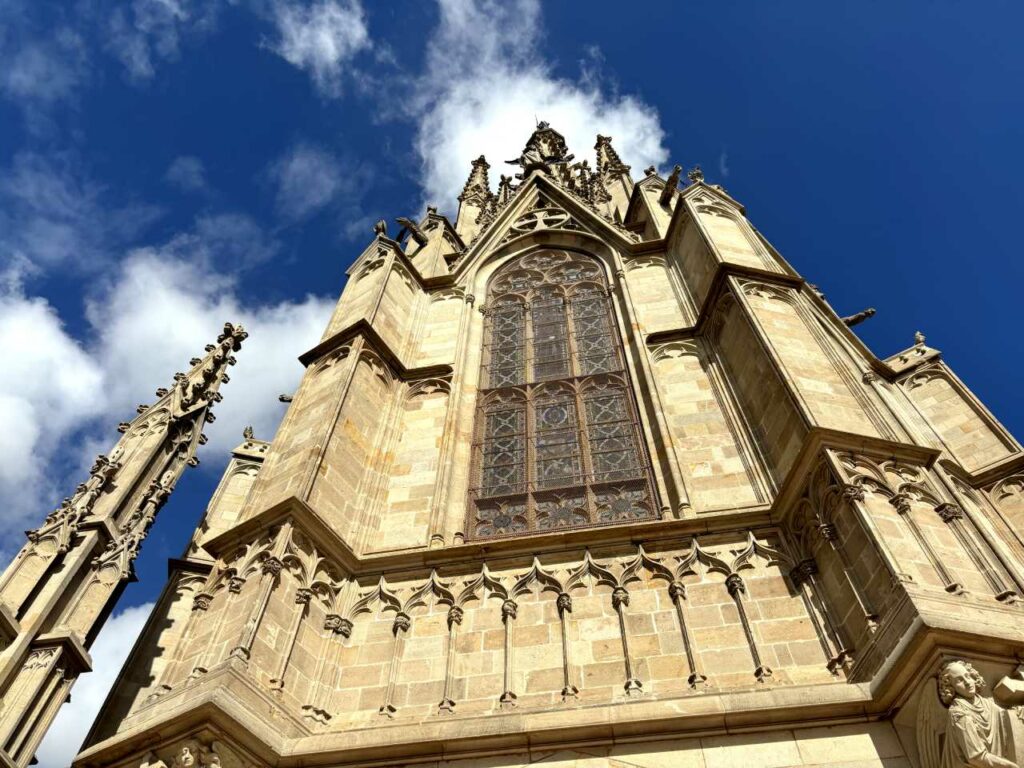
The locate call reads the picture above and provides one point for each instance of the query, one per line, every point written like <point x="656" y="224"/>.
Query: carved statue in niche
<point x="974" y="731"/>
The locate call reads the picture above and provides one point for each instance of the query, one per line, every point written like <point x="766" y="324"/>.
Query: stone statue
<point x="973" y="732"/>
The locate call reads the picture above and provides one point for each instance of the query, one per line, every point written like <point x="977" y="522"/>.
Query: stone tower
<point x="594" y="478"/>
<point x="64" y="582"/>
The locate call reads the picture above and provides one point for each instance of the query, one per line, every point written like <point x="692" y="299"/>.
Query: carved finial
<point x="650" y="170"/>
<point x="431" y="210"/>
<point x="695" y="174"/>
<point x="380" y="229"/>
<point x="918" y="339"/>
<point x="477" y="187"/>
<point x="247" y="433"/>
<point x="608" y="160"/>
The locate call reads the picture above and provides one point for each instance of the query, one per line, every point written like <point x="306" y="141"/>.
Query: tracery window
<point x="557" y="441"/>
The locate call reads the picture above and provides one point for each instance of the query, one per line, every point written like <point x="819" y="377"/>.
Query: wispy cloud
<point x="144" y="32"/>
<point x="187" y="174"/>
<point x="309" y="179"/>
<point x="321" y="38"/>
<point x="52" y="213"/>
<point x="485" y="82"/>
<point x="723" y="164"/>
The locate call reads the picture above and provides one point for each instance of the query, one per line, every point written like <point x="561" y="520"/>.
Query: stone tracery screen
<point x="557" y="442"/>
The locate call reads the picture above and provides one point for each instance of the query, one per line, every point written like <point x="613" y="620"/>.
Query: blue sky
<point x="226" y="160"/>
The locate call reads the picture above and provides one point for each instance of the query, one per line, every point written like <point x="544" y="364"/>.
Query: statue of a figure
<point x="974" y="731"/>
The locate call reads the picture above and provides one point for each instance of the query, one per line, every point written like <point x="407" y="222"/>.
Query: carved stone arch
<point x="426" y="388"/>
<point x="448" y="294"/>
<point x="923" y="376"/>
<point x="768" y="291"/>
<point x="724" y="306"/>
<point x="378" y="367"/>
<point x="544" y="580"/>
<point x="591" y="572"/>
<point x="331" y="359"/>
<point x="484" y="586"/>
<point x="697" y="556"/>
<point x="432" y="589"/>
<point x="379" y="597"/>
<point x="404" y="274"/>
<point x="641" y="562"/>
<point x="644" y="262"/>
<point x="671" y="350"/>
<point x="1012" y="486"/>
<point x="372" y="264"/>
<point x="754" y="549"/>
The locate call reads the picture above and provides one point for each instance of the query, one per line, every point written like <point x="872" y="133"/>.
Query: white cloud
<point x="161" y="306"/>
<point x="143" y="32"/>
<point x="723" y="164"/>
<point x="322" y="38"/>
<point x="187" y="173"/>
<point x="109" y="652"/>
<point x="307" y="178"/>
<point x="486" y="82"/>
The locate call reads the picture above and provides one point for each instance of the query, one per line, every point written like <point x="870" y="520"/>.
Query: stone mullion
<point x="271" y="572"/>
<point x="46" y="713"/>
<point x="321" y="694"/>
<point x="677" y="591"/>
<point x="837" y="651"/>
<point x="586" y="458"/>
<point x="854" y="494"/>
<point x="34" y="674"/>
<point x="530" y="457"/>
<point x="202" y="602"/>
<point x="509" y="611"/>
<point x="440" y="533"/>
<point x="953" y="516"/>
<point x="569" y="690"/>
<point x="649" y="425"/>
<point x="447" y="705"/>
<point x="905" y="509"/>
<point x="831" y="535"/>
<point x="398" y="629"/>
<point x="302" y="598"/>
<point x="734" y="584"/>
<point x="620" y="600"/>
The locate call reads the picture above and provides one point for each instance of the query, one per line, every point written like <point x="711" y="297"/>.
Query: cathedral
<point x="588" y="477"/>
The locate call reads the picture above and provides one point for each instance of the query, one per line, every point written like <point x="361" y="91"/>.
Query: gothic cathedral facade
<point x="591" y="477"/>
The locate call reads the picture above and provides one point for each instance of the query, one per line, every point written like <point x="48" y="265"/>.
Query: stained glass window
<point x="557" y="442"/>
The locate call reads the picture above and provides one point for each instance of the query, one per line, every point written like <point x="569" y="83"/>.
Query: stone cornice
<point x="362" y="328"/>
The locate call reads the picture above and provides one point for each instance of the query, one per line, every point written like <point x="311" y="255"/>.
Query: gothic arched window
<point x="557" y="442"/>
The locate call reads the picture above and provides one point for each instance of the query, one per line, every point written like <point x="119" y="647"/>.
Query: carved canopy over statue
<point x="962" y="727"/>
<point x="545" y="147"/>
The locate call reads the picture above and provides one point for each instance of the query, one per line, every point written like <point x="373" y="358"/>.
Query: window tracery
<point x="557" y="441"/>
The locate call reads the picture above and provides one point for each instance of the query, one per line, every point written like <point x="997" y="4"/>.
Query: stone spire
<point x="608" y="160"/>
<point x="65" y="580"/>
<point x="478" y="186"/>
<point x="614" y="177"/>
<point x="474" y="199"/>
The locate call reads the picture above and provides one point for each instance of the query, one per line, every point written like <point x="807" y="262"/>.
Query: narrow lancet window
<point x="557" y="441"/>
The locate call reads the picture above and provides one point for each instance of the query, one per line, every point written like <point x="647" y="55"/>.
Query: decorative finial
<point x="381" y="228"/>
<point x="650" y="170"/>
<point x="247" y="433"/>
<point x="695" y="174"/>
<point x="431" y="210"/>
<point x="670" y="186"/>
<point x="918" y="339"/>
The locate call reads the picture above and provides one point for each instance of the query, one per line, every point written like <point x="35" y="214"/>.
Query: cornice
<point x="362" y="328"/>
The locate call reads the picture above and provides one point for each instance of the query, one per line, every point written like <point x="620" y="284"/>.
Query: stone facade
<point x="774" y="562"/>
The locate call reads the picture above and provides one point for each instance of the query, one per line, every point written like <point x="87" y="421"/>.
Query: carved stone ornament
<point x="961" y="727"/>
